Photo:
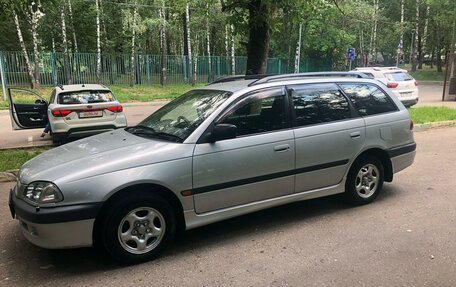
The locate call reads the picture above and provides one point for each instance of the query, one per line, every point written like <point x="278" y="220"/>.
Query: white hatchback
<point x="404" y="86"/>
<point x="73" y="111"/>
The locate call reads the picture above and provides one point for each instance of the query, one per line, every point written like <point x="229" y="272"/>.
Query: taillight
<point x="61" y="113"/>
<point x="411" y="125"/>
<point x="115" y="109"/>
<point x="392" y="85"/>
<point x="416" y="83"/>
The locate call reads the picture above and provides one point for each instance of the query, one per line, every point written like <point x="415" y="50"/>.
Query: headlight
<point x="42" y="192"/>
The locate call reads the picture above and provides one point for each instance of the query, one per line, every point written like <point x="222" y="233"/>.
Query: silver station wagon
<point x="233" y="147"/>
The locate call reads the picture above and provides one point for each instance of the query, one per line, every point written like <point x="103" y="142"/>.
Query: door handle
<point x="355" y="135"/>
<point x="282" y="148"/>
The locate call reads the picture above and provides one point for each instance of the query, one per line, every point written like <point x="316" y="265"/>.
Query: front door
<point x="27" y="109"/>
<point x="256" y="165"/>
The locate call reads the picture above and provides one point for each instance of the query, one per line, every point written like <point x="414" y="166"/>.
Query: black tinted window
<point x="315" y="104"/>
<point x="259" y="113"/>
<point x="368" y="99"/>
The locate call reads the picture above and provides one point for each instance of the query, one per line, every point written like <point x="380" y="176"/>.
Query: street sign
<point x="351" y="54"/>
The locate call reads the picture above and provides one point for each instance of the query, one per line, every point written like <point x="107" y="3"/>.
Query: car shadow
<point x="74" y="262"/>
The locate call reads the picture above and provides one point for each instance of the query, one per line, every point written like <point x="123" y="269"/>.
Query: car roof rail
<point x="60" y="86"/>
<point x="239" y="77"/>
<point x="309" y="75"/>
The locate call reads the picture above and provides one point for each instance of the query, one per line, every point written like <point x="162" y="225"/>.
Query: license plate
<point x="91" y="114"/>
<point x="406" y="94"/>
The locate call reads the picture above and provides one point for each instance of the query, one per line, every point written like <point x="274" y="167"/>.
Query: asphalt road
<point x="430" y="95"/>
<point x="405" y="238"/>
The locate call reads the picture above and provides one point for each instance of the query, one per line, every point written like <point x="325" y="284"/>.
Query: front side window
<point x="178" y="119"/>
<point x="319" y="103"/>
<point x="368" y="99"/>
<point x="85" y="97"/>
<point x="261" y="112"/>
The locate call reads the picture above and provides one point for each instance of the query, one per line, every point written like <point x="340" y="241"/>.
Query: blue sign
<point x="351" y="54"/>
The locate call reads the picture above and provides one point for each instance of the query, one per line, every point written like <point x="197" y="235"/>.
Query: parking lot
<point x="405" y="238"/>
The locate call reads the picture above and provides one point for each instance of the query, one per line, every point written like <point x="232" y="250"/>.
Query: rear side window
<point x="368" y="99"/>
<point x="398" y="77"/>
<point x="319" y="103"/>
<point x="85" y="97"/>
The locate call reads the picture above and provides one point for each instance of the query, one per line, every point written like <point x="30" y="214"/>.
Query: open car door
<point x="27" y="109"/>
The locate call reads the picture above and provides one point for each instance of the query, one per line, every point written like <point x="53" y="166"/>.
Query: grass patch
<point x="425" y="74"/>
<point x="422" y="115"/>
<point x="14" y="158"/>
<point x="428" y="75"/>
<point x="124" y="94"/>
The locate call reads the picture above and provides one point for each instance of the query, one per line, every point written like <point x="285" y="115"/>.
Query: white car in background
<point x="404" y="86"/>
<point x="73" y="111"/>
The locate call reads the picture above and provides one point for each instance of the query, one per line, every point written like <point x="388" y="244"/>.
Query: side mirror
<point x="223" y="132"/>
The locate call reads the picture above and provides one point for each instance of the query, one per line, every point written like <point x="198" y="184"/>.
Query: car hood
<point x="103" y="153"/>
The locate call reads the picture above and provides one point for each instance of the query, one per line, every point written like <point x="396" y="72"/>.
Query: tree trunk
<point x="132" y="50"/>
<point x="259" y="37"/>
<point x="75" y="40"/>
<point x="439" y="48"/>
<point x="298" y="51"/>
<point x="36" y="55"/>
<point x="424" y="43"/>
<point x="164" y="58"/>
<point x="66" y="58"/>
<point x="75" y="44"/>
<point x="233" y="59"/>
<point x="415" y="44"/>
<point x="401" y="41"/>
<point x="188" y="40"/>
<point x="24" y="51"/>
<point x="98" y="43"/>
<point x="106" y="48"/>
<point x="374" y="39"/>
<point x="208" y="46"/>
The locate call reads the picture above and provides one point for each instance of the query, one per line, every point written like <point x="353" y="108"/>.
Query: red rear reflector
<point x="392" y="85"/>
<point x="416" y="83"/>
<point x="61" y="113"/>
<point x="411" y="125"/>
<point x="115" y="109"/>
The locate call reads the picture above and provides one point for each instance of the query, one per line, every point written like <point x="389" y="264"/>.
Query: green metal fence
<point x="116" y="68"/>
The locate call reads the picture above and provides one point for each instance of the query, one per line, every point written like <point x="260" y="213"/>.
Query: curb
<point x="427" y="126"/>
<point x="8" y="176"/>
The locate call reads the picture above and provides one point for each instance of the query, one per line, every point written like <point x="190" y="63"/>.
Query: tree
<point x="66" y="57"/>
<point x="98" y="42"/>
<point x="417" y="33"/>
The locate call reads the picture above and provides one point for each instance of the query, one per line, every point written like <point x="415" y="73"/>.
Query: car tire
<point x="136" y="229"/>
<point x="364" y="180"/>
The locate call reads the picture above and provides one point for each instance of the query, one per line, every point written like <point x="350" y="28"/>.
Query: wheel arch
<point x="383" y="156"/>
<point x="160" y="190"/>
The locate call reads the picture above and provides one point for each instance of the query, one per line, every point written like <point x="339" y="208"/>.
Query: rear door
<point x="328" y="135"/>
<point x="27" y="109"/>
<point x="87" y="107"/>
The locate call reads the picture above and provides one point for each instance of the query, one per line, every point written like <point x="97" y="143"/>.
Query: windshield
<point x="85" y="97"/>
<point x="178" y="119"/>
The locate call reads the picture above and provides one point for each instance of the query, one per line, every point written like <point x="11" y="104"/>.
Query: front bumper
<point x="55" y="227"/>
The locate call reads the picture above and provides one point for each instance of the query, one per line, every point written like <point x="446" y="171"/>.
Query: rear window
<point x="398" y="77"/>
<point x="85" y="97"/>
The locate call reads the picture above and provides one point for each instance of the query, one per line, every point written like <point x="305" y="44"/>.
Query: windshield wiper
<point x="150" y="132"/>
<point x="140" y="129"/>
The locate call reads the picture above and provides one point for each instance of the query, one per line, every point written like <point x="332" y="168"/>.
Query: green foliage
<point x="13" y="159"/>
<point x="421" y="115"/>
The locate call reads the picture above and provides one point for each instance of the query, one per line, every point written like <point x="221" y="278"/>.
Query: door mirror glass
<point x="223" y="132"/>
